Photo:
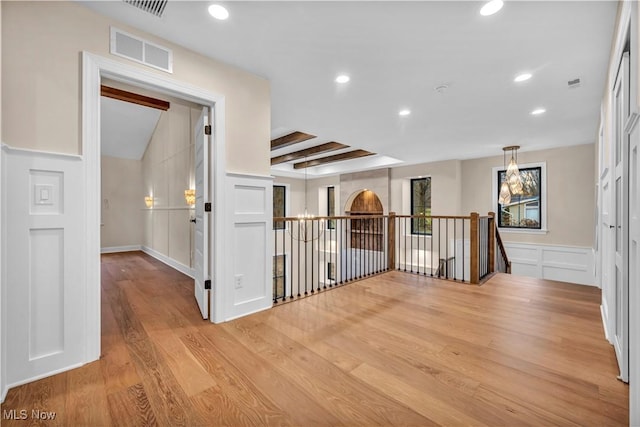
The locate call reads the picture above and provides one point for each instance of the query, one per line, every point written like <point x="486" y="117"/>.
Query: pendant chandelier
<point x="304" y="229"/>
<point x="512" y="184"/>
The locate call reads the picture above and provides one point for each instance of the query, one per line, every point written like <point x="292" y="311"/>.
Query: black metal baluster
<point x="431" y="254"/>
<point x="299" y="260"/>
<point x="284" y="267"/>
<point x="275" y="267"/>
<point x="455" y="249"/>
<point x="463" y="245"/>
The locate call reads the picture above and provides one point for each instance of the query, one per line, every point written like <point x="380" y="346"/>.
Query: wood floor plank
<point x="130" y="408"/>
<point x="394" y="349"/>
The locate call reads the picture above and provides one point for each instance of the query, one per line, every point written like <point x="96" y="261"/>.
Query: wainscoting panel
<point x="248" y="284"/>
<point x="562" y="263"/>
<point x="45" y="326"/>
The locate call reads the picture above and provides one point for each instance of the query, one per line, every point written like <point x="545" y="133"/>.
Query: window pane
<point x="523" y="211"/>
<point x="279" y="275"/>
<point x="331" y="206"/>
<point x="279" y="202"/>
<point x="421" y="205"/>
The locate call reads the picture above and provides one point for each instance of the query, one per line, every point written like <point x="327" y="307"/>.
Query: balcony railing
<point x="312" y="255"/>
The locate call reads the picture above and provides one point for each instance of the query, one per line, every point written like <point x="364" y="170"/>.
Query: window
<point x="279" y="275"/>
<point x="279" y="206"/>
<point x="421" y="205"/>
<point x="524" y="211"/>
<point x="331" y="271"/>
<point x="331" y="207"/>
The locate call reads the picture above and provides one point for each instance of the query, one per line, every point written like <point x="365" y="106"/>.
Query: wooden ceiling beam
<point x="355" y="154"/>
<point x="290" y="139"/>
<point x="134" y="98"/>
<point x="312" y="151"/>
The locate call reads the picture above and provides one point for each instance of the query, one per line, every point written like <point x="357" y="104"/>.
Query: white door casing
<point x="620" y="220"/>
<point x="94" y="68"/>
<point x="201" y="241"/>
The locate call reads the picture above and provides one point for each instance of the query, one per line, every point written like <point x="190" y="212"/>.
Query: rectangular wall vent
<point x="141" y="51"/>
<point x="154" y="7"/>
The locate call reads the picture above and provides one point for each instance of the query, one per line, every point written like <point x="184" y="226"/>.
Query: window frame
<point x="411" y="205"/>
<point x="542" y="200"/>
<point x="331" y="193"/>
<point x="284" y="275"/>
<point x="285" y="189"/>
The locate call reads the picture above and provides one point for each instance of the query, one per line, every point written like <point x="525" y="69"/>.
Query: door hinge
<point x="207" y="284"/>
<point x="207" y="129"/>
<point x="207" y="207"/>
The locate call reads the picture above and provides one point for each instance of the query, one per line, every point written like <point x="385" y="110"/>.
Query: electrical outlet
<point x="238" y="280"/>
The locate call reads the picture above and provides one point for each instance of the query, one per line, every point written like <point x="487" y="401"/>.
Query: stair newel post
<point x="474" y="249"/>
<point x="391" y="242"/>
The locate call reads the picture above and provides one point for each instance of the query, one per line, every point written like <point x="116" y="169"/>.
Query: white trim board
<point x="553" y="262"/>
<point x="117" y="249"/>
<point x="188" y="271"/>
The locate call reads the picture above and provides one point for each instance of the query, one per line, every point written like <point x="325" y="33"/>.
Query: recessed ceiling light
<point x="218" y="12"/>
<point x="404" y="112"/>
<point x="342" y="78"/>
<point x="492" y="7"/>
<point x="522" y="77"/>
<point x="538" y="111"/>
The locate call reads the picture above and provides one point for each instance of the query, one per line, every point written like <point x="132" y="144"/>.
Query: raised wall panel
<point x="46" y="292"/>
<point x="250" y="200"/>
<point x="45" y="282"/>
<point x="250" y="212"/>
<point x="248" y="241"/>
<point x="563" y="263"/>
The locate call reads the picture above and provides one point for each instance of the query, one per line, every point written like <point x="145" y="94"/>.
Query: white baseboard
<point x="116" y="249"/>
<point x="3" y="395"/>
<point x="604" y="324"/>
<point x="170" y="262"/>
<point x="41" y="376"/>
<point x="572" y="264"/>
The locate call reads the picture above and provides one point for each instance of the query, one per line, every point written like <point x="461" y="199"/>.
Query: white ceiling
<point x="126" y="128"/>
<point x="396" y="53"/>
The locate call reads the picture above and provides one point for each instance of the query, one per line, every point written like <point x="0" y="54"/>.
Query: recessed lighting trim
<point x="491" y="7"/>
<point x="343" y="78"/>
<point x="218" y="12"/>
<point x="538" y="111"/>
<point x="522" y="77"/>
<point x="404" y="112"/>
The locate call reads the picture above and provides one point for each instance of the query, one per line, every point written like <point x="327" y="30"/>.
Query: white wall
<point x="446" y="186"/>
<point x="54" y="33"/>
<point x="122" y="203"/>
<point x="167" y="170"/>
<point x="570" y="193"/>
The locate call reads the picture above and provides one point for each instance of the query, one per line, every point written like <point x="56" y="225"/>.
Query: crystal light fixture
<point x="148" y="200"/>
<point x="513" y="173"/>
<point x="304" y="229"/>
<point x="512" y="185"/>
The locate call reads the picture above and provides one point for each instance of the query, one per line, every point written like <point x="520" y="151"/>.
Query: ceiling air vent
<point x="573" y="83"/>
<point x="154" y="7"/>
<point x="140" y="50"/>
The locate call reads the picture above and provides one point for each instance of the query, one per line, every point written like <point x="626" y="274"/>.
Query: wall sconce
<point x="190" y="197"/>
<point x="148" y="200"/>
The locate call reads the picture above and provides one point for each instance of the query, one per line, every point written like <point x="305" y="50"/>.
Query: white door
<point x="620" y="221"/>
<point x="201" y="241"/>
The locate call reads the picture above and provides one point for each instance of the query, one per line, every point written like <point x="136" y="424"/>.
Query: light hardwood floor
<point x="396" y="349"/>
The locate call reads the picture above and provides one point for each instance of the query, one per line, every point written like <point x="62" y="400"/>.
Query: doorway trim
<point x="94" y="68"/>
